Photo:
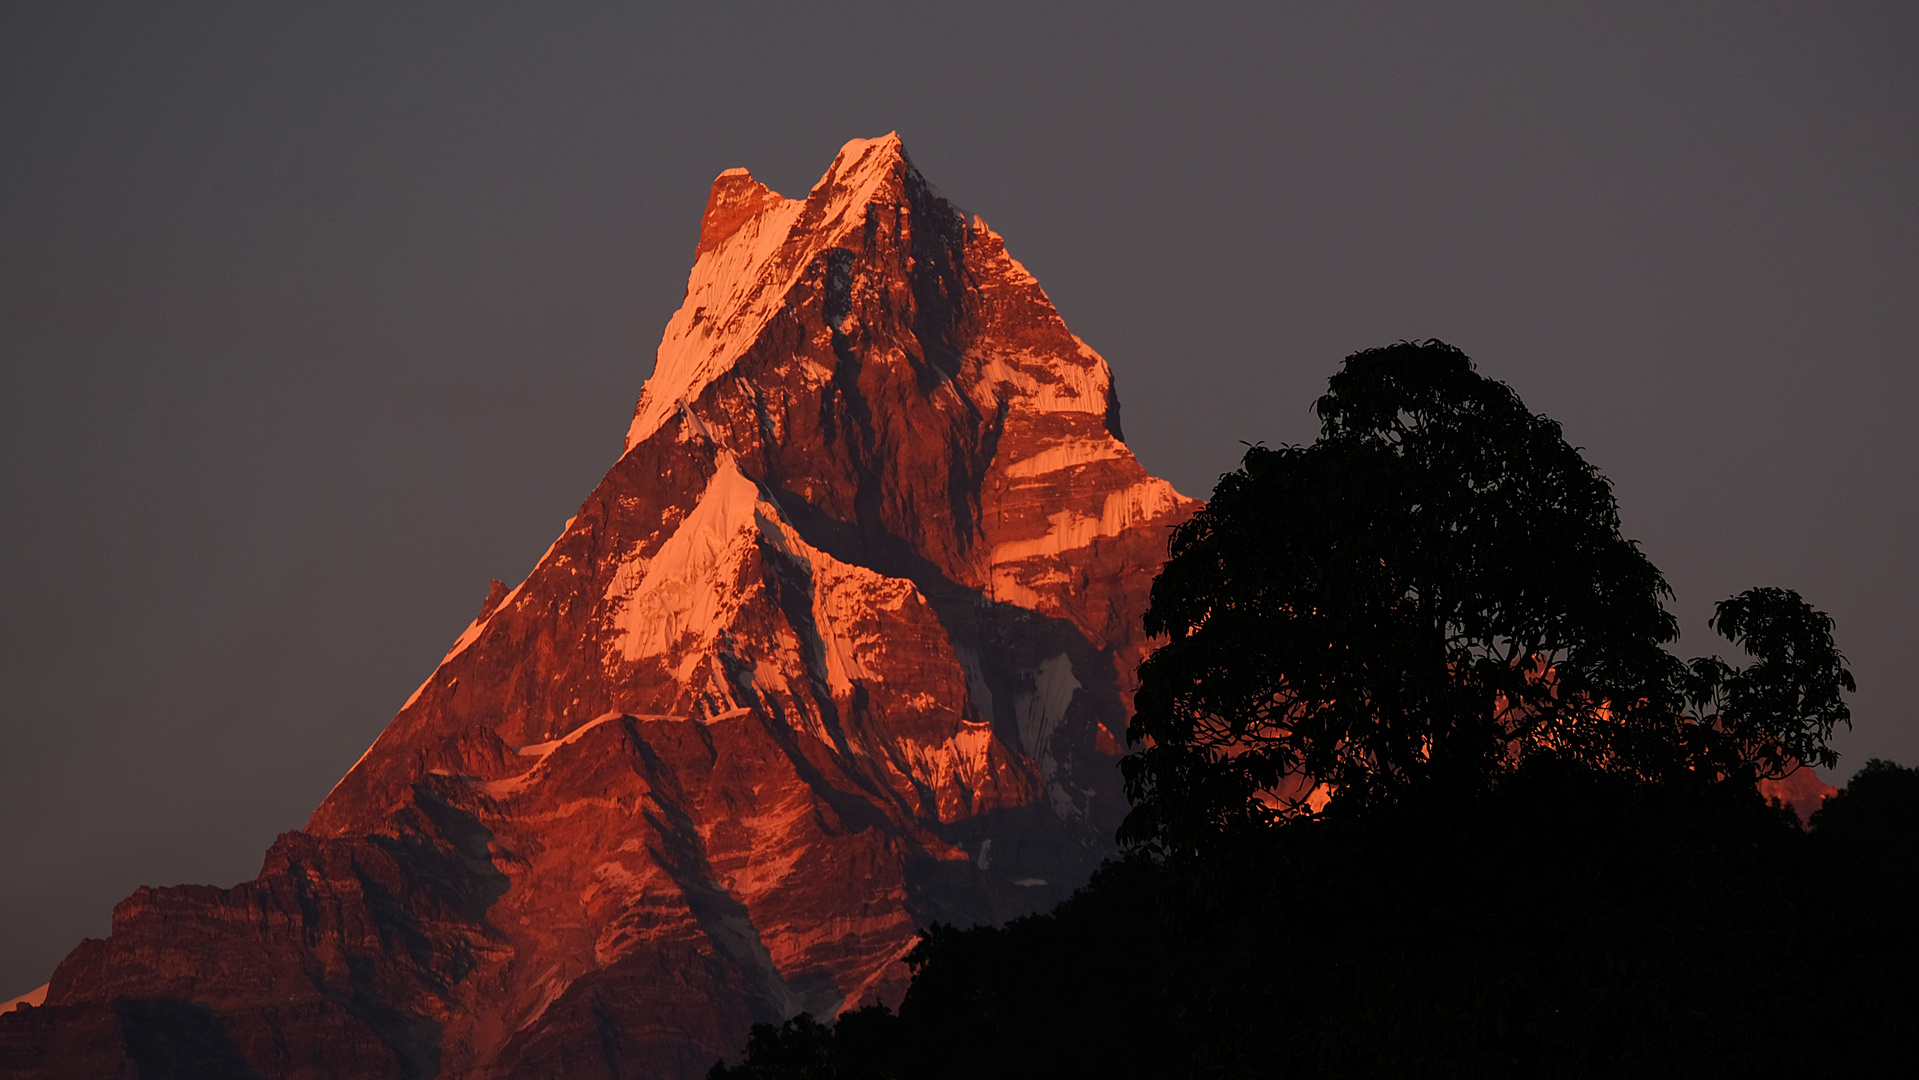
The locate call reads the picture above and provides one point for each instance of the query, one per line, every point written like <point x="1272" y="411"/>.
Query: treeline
<point x="1418" y="790"/>
<point x="1570" y="924"/>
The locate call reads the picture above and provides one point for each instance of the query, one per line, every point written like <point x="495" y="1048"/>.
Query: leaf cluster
<point x="1781" y="709"/>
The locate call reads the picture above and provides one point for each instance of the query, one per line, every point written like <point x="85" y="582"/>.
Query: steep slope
<point x="839" y="647"/>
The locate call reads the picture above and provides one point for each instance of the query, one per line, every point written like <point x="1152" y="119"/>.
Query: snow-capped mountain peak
<point x="837" y="648"/>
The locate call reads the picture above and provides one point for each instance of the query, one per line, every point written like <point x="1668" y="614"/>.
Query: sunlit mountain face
<point x="842" y="645"/>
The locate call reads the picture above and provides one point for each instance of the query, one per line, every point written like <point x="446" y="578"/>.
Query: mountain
<point x="842" y="645"/>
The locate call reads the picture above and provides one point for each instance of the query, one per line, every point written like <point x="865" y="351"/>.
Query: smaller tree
<point x="1779" y="712"/>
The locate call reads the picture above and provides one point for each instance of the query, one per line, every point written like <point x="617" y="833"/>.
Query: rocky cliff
<point x="841" y="645"/>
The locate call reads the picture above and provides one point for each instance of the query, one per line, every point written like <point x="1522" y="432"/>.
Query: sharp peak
<point x="785" y="234"/>
<point x="889" y="146"/>
<point x="734" y="198"/>
<point x="861" y="160"/>
<point x="737" y="194"/>
<point x="857" y="156"/>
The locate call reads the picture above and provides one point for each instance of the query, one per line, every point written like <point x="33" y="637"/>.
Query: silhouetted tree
<point x="1415" y="604"/>
<point x="799" y="1049"/>
<point x="1875" y="820"/>
<point x="1778" y="712"/>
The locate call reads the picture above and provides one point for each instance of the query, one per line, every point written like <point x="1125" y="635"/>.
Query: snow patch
<point x="1063" y="802"/>
<point x="863" y="993"/>
<point x="844" y="596"/>
<point x="617" y="879"/>
<point x="1066" y="455"/>
<point x="1070" y="529"/>
<point x="681" y="590"/>
<point x="976" y="685"/>
<point x="961" y="759"/>
<point x="736" y="287"/>
<point x="732" y="291"/>
<point x="683" y="602"/>
<point x="1040" y="710"/>
<point x="541" y="750"/>
<point x="1321" y="795"/>
<point x="1066" y="388"/>
<point x="513" y="785"/>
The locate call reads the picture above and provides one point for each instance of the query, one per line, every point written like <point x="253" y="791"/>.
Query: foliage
<point x="1783" y="708"/>
<point x="799" y="1049"/>
<point x="1071" y="993"/>
<point x="1875" y="820"/>
<point x="1414" y="605"/>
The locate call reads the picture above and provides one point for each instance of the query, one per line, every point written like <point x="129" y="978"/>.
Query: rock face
<point x="842" y="645"/>
<point x="1802" y="790"/>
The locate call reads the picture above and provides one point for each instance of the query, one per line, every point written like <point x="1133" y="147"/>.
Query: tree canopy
<point x="1432" y="592"/>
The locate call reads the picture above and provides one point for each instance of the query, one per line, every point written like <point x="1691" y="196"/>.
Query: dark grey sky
<point x="312" y="321"/>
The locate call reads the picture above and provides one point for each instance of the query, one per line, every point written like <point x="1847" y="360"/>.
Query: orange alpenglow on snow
<point x="36" y="996"/>
<point x="1801" y="789"/>
<point x="837" y="649"/>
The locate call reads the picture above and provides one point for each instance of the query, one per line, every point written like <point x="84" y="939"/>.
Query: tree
<point x="1429" y="594"/>
<point x="1780" y="711"/>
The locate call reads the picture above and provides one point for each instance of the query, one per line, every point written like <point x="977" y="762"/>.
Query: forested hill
<point x="1570" y="926"/>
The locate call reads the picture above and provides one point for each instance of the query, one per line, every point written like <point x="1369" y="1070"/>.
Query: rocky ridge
<point x="841" y="645"/>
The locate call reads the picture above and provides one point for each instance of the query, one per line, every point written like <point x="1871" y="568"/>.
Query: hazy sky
<point x="312" y="321"/>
